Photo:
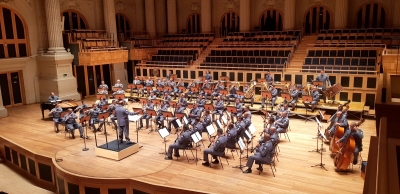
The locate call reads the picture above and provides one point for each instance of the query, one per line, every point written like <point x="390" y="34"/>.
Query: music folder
<point x="219" y="124"/>
<point x="178" y="122"/>
<point x="322" y="134"/>
<point x="163" y="132"/>
<point x="241" y="144"/>
<point x="248" y="135"/>
<point x="196" y="137"/>
<point x="133" y="118"/>
<point x="140" y="111"/>
<point x="185" y="120"/>
<point x="319" y="124"/>
<point x="252" y="129"/>
<point x="210" y="129"/>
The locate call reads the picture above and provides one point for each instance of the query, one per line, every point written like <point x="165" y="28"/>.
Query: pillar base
<point x="3" y="112"/>
<point x="54" y="50"/>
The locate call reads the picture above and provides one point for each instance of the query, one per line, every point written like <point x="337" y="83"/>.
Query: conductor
<point x="123" y="122"/>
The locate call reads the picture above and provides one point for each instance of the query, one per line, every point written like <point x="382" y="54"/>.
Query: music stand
<point x="82" y="121"/>
<point x="143" y="100"/>
<point x="135" y="118"/>
<point x="306" y="100"/>
<point x="231" y="110"/>
<point x="173" y="76"/>
<point x="182" y="88"/>
<point x="149" y="89"/>
<point x="224" y="78"/>
<point x="261" y="80"/>
<point x="286" y="96"/>
<point x="318" y="83"/>
<point x="119" y="96"/>
<point x="320" y="134"/>
<point x="131" y="86"/>
<point x="114" y="89"/>
<point x="167" y="115"/>
<point x="139" y="87"/>
<point x="151" y="112"/>
<point x="156" y="102"/>
<point x="177" y="124"/>
<point x="210" y="130"/>
<point x="98" y="96"/>
<point x="168" y="88"/>
<point x="196" y="137"/>
<point x="164" y="133"/>
<point x="194" y="89"/>
<point x="207" y="91"/>
<point x="240" y="142"/>
<point x="209" y="107"/>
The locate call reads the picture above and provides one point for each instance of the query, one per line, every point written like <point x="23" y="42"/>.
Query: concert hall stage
<point x="50" y="159"/>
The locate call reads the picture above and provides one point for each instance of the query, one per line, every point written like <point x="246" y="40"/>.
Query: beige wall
<point x="259" y="6"/>
<point x="184" y="9"/>
<point x="92" y="10"/>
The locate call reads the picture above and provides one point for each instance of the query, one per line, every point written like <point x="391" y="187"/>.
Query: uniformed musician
<point x="152" y="96"/>
<point x="71" y="124"/>
<point x="263" y="155"/>
<point x="56" y="113"/>
<point x="160" y="83"/>
<point x="147" y="83"/>
<point x="284" y="108"/>
<point x="217" y="150"/>
<point x="171" y="83"/>
<point x="200" y="102"/>
<point x="102" y="85"/>
<point x="282" y="123"/>
<point x="119" y="84"/>
<point x="159" y="119"/>
<point x="80" y="109"/>
<point x="206" y="119"/>
<point x="182" y="100"/>
<point x="340" y="121"/>
<point x="273" y="133"/>
<point x="324" y="78"/>
<point x="198" y="126"/>
<point x="218" y="108"/>
<point x="193" y="114"/>
<point x="102" y="102"/>
<point x="274" y="95"/>
<point x="111" y="109"/>
<point x="315" y="98"/>
<point x="295" y="97"/>
<point x="149" y="105"/>
<point x="178" y="92"/>
<point x="358" y="135"/>
<point x="53" y="98"/>
<point x="104" y="91"/>
<point x="179" y="109"/>
<point x="216" y="91"/>
<point x="239" y="109"/>
<point x="208" y="76"/>
<point x="119" y="91"/>
<point x="248" y="112"/>
<point x="339" y="109"/>
<point x="269" y="79"/>
<point x="166" y="99"/>
<point x="136" y="81"/>
<point x="244" y="98"/>
<point x="123" y="122"/>
<point x="94" y="114"/>
<point x="206" y="85"/>
<point x="169" y="74"/>
<point x="181" y="143"/>
<point x="232" y="92"/>
<point x="189" y="93"/>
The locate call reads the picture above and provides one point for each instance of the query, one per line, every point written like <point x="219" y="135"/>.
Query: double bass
<point x="333" y="147"/>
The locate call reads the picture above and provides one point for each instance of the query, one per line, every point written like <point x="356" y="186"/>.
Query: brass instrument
<point x="211" y="142"/>
<point x="286" y="88"/>
<point x="250" y="91"/>
<point x="265" y="86"/>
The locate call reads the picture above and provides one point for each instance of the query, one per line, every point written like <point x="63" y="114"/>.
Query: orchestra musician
<point x="119" y="91"/>
<point x="315" y="98"/>
<point x="282" y="123"/>
<point x="147" y="83"/>
<point x="232" y="92"/>
<point x="169" y="74"/>
<point x="193" y="114"/>
<point x="53" y="97"/>
<point x="216" y="91"/>
<point x="189" y="92"/>
<point x="181" y="143"/>
<point x="273" y="134"/>
<point x="208" y="76"/>
<point x="170" y="83"/>
<point x="284" y="108"/>
<point x="94" y="114"/>
<point x="179" y="109"/>
<point x="232" y="134"/>
<point x="102" y="102"/>
<point x="274" y="95"/>
<point x="197" y="126"/>
<point x="104" y="91"/>
<point x="218" y="108"/>
<point x="244" y="98"/>
<point x="137" y="81"/>
<point x="340" y="120"/>
<point x="358" y="135"/>
<point x="206" y="119"/>
<point x="111" y="109"/>
<point x="239" y="109"/>
<point x="119" y="84"/>
<point x="80" y="109"/>
<point x="206" y="85"/>
<point x="339" y="109"/>
<point x="217" y="150"/>
<point x="102" y="85"/>
<point x="200" y="102"/>
<point x="71" y="124"/>
<point x="123" y="122"/>
<point x="247" y="113"/>
<point x="182" y="100"/>
<point x="160" y="83"/>
<point x="269" y="79"/>
<point x="56" y="113"/>
<point x="295" y="97"/>
<point x="149" y="105"/>
<point x="152" y="96"/>
<point x="166" y="99"/>
<point x="159" y="119"/>
<point x="178" y="92"/>
<point x="264" y="154"/>
<point x="322" y="77"/>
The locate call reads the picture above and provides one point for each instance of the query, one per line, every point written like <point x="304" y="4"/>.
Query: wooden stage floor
<point x="294" y="172"/>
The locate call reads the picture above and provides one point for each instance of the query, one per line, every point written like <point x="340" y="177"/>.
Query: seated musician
<point x="178" y="92"/>
<point x="208" y="76"/>
<point x="322" y="77"/>
<point x="232" y="92"/>
<point x="263" y="155"/>
<point x="147" y="83"/>
<point x="189" y="92"/>
<point x="179" y="109"/>
<point x="339" y="109"/>
<point x="340" y="120"/>
<point x="160" y="83"/>
<point x="231" y="135"/>
<point x="94" y="114"/>
<point x="295" y="97"/>
<point x="137" y="81"/>
<point x="218" y="108"/>
<point x="167" y="98"/>
<point x="149" y="105"/>
<point x="159" y="119"/>
<point x="282" y="123"/>
<point x="56" y="113"/>
<point x="181" y="143"/>
<point x="111" y="108"/>
<point x="201" y="102"/>
<point x="216" y="91"/>
<point x="119" y="91"/>
<point x="239" y="109"/>
<point x="152" y="96"/>
<point x="284" y="108"/>
<point x="315" y="98"/>
<point x="119" y="84"/>
<point x="197" y="126"/>
<point x="102" y="102"/>
<point x="206" y="85"/>
<point x="358" y="135"/>
<point x="273" y="133"/>
<point x="170" y="83"/>
<point x="247" y="112"/>
<point x="269" y="79"/>
<point x="102" y="85"/>
<point x="80" y="109"/>
<point x="217" y="150"/>
<point x="206" y="120"/>
<point x="53" y="97"/>
<point x="182" y="100"/>
<point x="244" y="98"/>
<point x="193" y="114"/>
<point x="71" y="124"/>
<point x="104" y="91"/>
<point x="274" y="95"/>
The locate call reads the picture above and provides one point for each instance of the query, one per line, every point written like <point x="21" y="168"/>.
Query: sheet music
<point x="52" y="101"/>
<point x="178" y="122"/>
<point x="196" y="137"/>
<point x="210" y="129"/>
<point x="322" y="134"/>
<point x="126" y="100"/>
<point x="134" y="118"/>
<point x="185" y="119"/>
<point x="224" y="119"/>
<point x="163" y="132"/>
<point x="248" y="134"/>
<point x="252" y="129"/>
<point x="320" y="125"/>
<point x="219" y="124"/>
<point x="241" y="143"/>
<point x="228" y="114"/>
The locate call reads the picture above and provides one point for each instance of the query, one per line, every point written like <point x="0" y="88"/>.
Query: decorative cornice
<point x="195" y="7"/>
<point x="231" y="5"/>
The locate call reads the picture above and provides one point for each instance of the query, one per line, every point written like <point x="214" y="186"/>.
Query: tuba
<point x="250" y="92"/>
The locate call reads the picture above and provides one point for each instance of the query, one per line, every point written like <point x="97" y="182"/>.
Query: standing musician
<point x="179" y="109"/>
<point x="322" y="77"/>
<point x="201" y="102"/>
<point x="282" y="123"/>
<point x="182" y="100"/>
<point x="166" y="99"/>
<point x="118" y="84"/>
<point x="232" y="92"/>
<point x="178" y="92"/>
<point x="239" y="109"/>
<point x="189" y="92"/>
<point x="206" y="85"/>
<point x="169" y="74"/>
<point x="53" y="97"/>
<point x="149" y="105"/>
<point x="243" y="97"/>
<point x="193" y="114"/>
<point x="159" y="119"/>
<point x="104" y="91"/>
<point x="274" y="95"/>
<point x="218" y="108"/>
<point x="147" y="83"/>
<point x="269" y="79"/>
<point x="217" y="150"/>
<point x="315" y="98"/>
<point x="181" y="143"/>
<point x="216" y="91"/>
<point x="123" y="122"/>
<point x="80" y="109"/>
<point x="295" y="97"/>
<point x="358" y="135"/>
<point x="94" y="114"/>
<point x="264" y="154"/>
<point x="71" y="125"/>
<point x="208" y="76"/>
<point x="102" y="85"/>
<point x="56" y="113"/>
<point x="340" y="120"/>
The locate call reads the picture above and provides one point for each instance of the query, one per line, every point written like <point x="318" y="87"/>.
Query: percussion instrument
<point x="332" y="91"/>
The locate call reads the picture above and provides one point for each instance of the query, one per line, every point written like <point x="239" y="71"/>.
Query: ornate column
<point x="109" y="20"/>
<point x="244" y="15"/>
<point x="396" y="14"/>
<point x="42" y="31"/>
<point x="171" y="15"/>
<point x="205" y="16"/>
<point x="289" y="15"/>
<point x="341" y="12"/>
<point x="53" y="20"/>
<point x="150" y="17"/>
<point x="3" y="111"/>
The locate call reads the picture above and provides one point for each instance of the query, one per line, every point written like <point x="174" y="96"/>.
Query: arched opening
<point x="271" y="20"/>
<point x="316" y="19"/>
<point x="371" y="15"/>
<point x="193" y="24"/>
<point x="230" y="22"/>
<point x="73" y="20"/>
<point x="123" y="25"/>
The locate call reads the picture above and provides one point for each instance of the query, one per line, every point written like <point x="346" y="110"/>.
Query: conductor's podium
<point x="116" y="151"/>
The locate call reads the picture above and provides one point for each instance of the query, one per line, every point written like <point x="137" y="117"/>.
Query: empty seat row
<point x="362" y="30"/>
<point x="254" y="39"/>
<point x="250" y="34"/>
<point x="351" y="38"/>
<point x="273" y="67"/>
<point x="274" y="53"/>
<point x="177" y="52"/>
<point x="342" y="44"/>
<point x="340" y="69"/>
<point x="256" y="46"/>
<point x="167" y="62"/>
<point x="188" y="35"/>
<point x="342" y="53"/>
<point x="187" y="40"/>
<point x="252" y="60"/>
<point x="340" y="61"/>
<point x="177" y="58"/>
<point x="164" y="65"/>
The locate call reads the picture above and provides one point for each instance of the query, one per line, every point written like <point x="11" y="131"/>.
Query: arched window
<point x="13" y="35"/>
<point x="123" y="25"/>
<point x="193" y="24"/>
<point x="74" y="21"/>
<point x="271" y="20"/>
<point x="230" y="22"/>
<point x="371" y="15"/>
<point x="317" y="18"/>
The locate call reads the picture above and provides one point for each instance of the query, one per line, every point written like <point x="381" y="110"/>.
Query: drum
<point x="332" y="91"/>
